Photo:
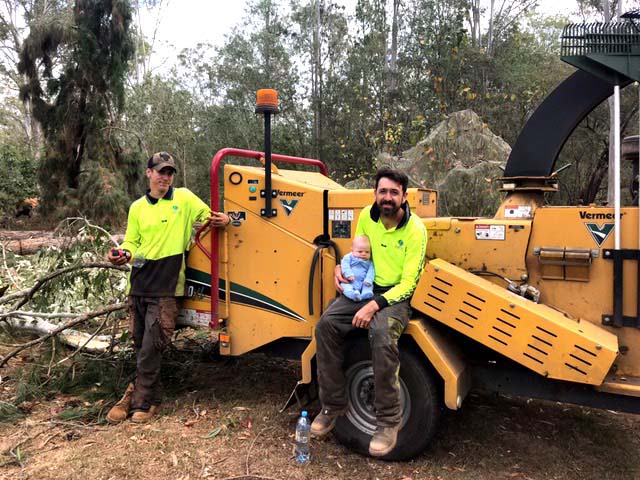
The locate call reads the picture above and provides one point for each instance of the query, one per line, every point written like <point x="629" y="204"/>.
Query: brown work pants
<point x="151" y="323"/>
<point x="384" y="332"/>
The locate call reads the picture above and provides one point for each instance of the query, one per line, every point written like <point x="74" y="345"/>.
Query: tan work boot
<point x="120" y="410"/>
<point x="383" y="441"/>
<point x="140" y="416"/>
<point x="324" y="423"/>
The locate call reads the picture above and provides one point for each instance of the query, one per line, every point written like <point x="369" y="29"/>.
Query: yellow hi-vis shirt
<point x="158" y="233"/>
<point x="398" y="254"/>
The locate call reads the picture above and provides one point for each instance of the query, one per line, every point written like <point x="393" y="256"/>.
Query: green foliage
<point x="19" y="180"/>
<point x="164" y="115"/>
<point x="480" y="198"/>
<point x="104" y="186"/>
<point x="80" y="291"/>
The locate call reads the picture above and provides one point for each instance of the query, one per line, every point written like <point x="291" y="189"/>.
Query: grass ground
<point x="221" y="420"/>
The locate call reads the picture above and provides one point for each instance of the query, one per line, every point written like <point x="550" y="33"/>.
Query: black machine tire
<point x="420" y="397"/>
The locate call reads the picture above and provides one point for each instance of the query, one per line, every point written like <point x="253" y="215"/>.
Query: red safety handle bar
<point x="214" y="175"/>
<point x="199" y="232"/>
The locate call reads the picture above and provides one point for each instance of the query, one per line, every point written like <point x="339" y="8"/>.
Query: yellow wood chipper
<point x="538" y="301"/>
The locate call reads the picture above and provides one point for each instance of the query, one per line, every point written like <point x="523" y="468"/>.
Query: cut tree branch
<point x="42" y="281"/>
<point x="23" y="314"/>
<point x="90" y="339"/>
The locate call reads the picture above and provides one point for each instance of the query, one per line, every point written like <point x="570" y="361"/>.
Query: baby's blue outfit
<point x="363" y="272"/>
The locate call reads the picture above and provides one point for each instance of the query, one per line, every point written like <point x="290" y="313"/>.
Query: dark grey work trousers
<point x="152" y="321"/>
<point x="384" y="332"/>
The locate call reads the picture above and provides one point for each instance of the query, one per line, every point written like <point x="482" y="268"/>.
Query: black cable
<point x="322" y="243"/>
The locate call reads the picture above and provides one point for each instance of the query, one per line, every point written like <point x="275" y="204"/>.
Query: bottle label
<point x="301" y="437"/>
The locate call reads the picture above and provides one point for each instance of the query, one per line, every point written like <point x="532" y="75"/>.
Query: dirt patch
<point x="221" y="421"/>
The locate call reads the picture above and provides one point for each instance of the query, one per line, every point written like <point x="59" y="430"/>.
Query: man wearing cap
<point x="159" y="228"/>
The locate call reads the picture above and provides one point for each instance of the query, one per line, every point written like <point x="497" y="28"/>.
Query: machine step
<point x="621" y="385"/>
<point x="536" y="336"/>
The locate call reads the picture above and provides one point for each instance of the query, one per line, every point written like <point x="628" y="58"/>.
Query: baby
<point x="357" y="267"/>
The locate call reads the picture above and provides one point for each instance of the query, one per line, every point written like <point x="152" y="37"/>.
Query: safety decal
<point x="517" y="211"/>
<point x="194" y="317"/>
<point x="237" y="218"/>
<point x="335" y="214"/>
<point x="490" y="232"/>
<point x="288" y="205"/>
<point x="599" y="233"/>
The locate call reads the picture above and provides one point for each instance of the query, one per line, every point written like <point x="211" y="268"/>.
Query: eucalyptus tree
<point x="163" y="114"/>
<point x="258" y="55"/>
<point x="367" y="65"/>
<point x="321" y="39"/>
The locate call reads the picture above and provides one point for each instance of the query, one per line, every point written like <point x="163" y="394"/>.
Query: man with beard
<point x="159" y="228"/>
<point x="398" y="244"/>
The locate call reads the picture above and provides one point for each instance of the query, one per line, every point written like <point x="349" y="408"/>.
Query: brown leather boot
<point x="120" y="410"/>
<point x="324" y="423"/>
<point x="383" y="441"/>
<point x="142" y="416"/>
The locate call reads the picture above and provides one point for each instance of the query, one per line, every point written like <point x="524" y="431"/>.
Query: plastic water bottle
<point x="138" y="261"/>
<point x="301" y="449"/>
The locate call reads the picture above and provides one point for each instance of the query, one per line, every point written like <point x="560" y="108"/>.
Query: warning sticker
<point x="490" y="232"/>
<point x="196" y="318"/>
<point x="517" y="211"/>
<point x="339" y="215"/>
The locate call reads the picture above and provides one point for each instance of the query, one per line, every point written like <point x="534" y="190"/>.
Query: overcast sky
<point x="185" y="23"/>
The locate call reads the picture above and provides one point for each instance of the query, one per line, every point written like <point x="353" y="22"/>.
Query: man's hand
<point x="363" y="317"/>
<point x="116" y="259"/>
<point x="219" y="219"/>
<point x="338" y="278"/>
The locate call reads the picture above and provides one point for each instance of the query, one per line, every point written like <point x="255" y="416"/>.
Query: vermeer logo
<point x="596" y="216"/>
<point x="288" y="206"/>
<point x="599" y="233"/>
<point x="286" y="193"/>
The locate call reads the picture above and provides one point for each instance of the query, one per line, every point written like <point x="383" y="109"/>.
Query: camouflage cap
<point x="159" y="160"/>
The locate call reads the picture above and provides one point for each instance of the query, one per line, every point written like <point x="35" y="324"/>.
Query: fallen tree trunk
<point x="39" y="323"/>
<point x="58" y="329"/>
<point x="70" y="337"/>
<point x="24" y="244"/>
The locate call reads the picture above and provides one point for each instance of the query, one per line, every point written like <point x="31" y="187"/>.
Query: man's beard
<point x="388" y="209"/>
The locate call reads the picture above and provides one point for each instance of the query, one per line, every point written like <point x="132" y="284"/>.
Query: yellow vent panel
<point x="531" y="334"/>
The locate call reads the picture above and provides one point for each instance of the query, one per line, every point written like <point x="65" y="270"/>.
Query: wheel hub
<point x="361" y="396"/>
